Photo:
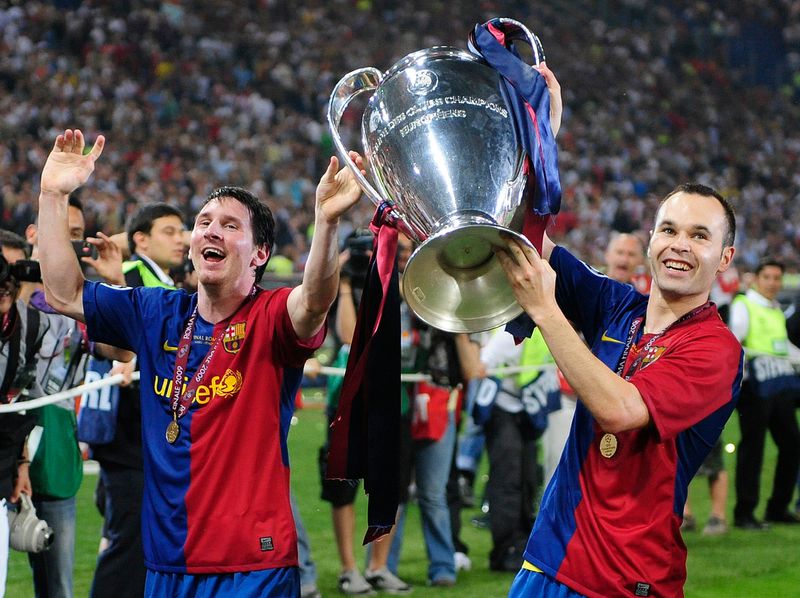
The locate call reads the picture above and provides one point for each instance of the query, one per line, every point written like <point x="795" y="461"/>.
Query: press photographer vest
<point x="766" y="331"/>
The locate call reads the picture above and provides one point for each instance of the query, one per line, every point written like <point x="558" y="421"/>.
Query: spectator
<point x="768" y="400"/>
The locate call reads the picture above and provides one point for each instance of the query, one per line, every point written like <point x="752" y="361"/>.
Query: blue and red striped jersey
<point x="217" y="500"/>
<point x="610" y="526"/>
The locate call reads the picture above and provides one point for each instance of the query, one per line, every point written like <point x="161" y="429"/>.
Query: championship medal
<point x="173" y="429"/>
<point x="608" y="445"/>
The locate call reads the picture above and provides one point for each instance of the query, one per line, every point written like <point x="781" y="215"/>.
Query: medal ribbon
<point x="634" y="329"/>
<point x="181" y="400"/>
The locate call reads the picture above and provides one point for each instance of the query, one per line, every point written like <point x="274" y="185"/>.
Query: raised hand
<point x="67" y="168"/>
<point x="556" y="104"/>
<point x="338" y="191"/>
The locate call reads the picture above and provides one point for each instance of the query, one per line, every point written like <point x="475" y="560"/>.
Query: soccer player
<point x="656" y="385"/>
<point x="219" y="372"/>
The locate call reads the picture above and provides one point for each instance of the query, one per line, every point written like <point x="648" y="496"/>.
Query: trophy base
<point x="454" y="281"/>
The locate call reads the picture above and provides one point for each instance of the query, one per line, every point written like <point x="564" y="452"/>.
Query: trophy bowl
<point x="440" y="147"/>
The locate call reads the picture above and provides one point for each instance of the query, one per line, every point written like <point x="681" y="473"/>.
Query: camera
<point x="21" y="271"/>
<point x="84" y="249"/>
<point x="359" y="244"/>
<point x="28" y="533"/>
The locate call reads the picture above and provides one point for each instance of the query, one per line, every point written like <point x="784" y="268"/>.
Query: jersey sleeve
<point x="586" y="296"/>
<point x="287" y="347"/>
<point x="113" y="314"/>
<point x="691" y="381"/>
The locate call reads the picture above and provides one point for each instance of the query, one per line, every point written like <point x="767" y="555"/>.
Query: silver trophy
<point x="439" y="144"/>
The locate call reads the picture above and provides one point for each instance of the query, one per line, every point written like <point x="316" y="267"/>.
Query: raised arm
<point x="309" y="303"/>
<point x="66" y="169"/>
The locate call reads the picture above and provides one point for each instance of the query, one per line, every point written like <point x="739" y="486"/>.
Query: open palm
<point x="67" y="168"/>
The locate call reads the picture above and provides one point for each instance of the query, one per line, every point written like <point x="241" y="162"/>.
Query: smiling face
<point x="687" y="249"/>
<point x="222" y="247"/>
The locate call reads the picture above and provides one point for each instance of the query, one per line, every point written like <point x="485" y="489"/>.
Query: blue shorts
<point x="532" y="584"/>
<point x="283" y="582"/>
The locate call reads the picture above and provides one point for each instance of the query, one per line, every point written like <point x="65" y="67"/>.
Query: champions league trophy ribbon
<point x="443" y="148"/>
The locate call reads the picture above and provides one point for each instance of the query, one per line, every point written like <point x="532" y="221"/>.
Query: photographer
<point x="21" y="334"/>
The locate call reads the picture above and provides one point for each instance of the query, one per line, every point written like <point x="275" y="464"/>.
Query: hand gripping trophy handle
<point x="347" y="89"/>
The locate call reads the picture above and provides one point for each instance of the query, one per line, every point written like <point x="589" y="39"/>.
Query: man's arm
<point x="66" y="169"/>
<point x="308" y="303"/>
<point x="615" y="403"/>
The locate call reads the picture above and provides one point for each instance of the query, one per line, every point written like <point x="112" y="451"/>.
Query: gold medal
<point x="608" y="445"/>
<point x="172" y="431"/>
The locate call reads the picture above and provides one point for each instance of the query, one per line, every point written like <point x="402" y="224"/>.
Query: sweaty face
<point x="222" y="247"/>
<point x="623" y="256"/>
<point x="164" y="244"/>
<point x="769" y="281"/>
<point x="686" y="250"/>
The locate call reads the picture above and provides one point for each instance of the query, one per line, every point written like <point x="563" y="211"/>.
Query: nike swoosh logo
<point x="606" y="338"/>
<point x="168" y="347"/>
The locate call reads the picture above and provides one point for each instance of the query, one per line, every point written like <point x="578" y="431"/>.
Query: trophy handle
<point x="515" y="30"/>
<point x="349" y="87"/>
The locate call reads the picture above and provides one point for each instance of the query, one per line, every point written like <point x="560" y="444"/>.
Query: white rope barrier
<point x="324" y="370"/>
<point x="71" y="393"/>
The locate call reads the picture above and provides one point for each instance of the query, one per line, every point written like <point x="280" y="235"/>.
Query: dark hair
<point x="705" y="191"/>
<point x="769" y="261"/>
<point x="261" y="220"/>
<point x="75" y="202"/>
<point x="13" y="241"/>
<point x="142" y="220"/>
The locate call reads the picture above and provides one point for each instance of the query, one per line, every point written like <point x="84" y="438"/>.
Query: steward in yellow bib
<point x="514" y="422"/>
<point x="767" y="400"/>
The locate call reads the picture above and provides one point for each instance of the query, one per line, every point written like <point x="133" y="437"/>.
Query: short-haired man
<point x="767" y="401"/>
<point x="219" y="373"/>
<point x="656" y="385"/>
<point x="155" y="240"/>
<point x="624" y="255"/>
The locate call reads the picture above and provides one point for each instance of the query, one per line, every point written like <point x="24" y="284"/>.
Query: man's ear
<point x="31" y="234"/>
<point x="139" y="239"/>
<point x="260" y="258"/>
<point x="726" y="259"/>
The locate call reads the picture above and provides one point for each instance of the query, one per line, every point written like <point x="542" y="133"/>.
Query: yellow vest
<point x="766" y="332"/>
<point x="534" y="352"/>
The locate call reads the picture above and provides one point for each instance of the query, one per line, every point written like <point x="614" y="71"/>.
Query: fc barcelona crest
<point x="652" y="355"/>
<point x="233" y="337"/>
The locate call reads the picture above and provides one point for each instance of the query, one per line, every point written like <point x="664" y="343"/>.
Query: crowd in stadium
<point x="236" y="92"/>
<point x="191" y="97"/>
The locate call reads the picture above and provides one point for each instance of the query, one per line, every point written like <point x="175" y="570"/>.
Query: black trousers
<point x="120" y="569"/>
<point x="756" y="416"/>
<point x="511" y="445"/>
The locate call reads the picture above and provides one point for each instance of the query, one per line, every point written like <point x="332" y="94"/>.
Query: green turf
<point x="746" y="564"/>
